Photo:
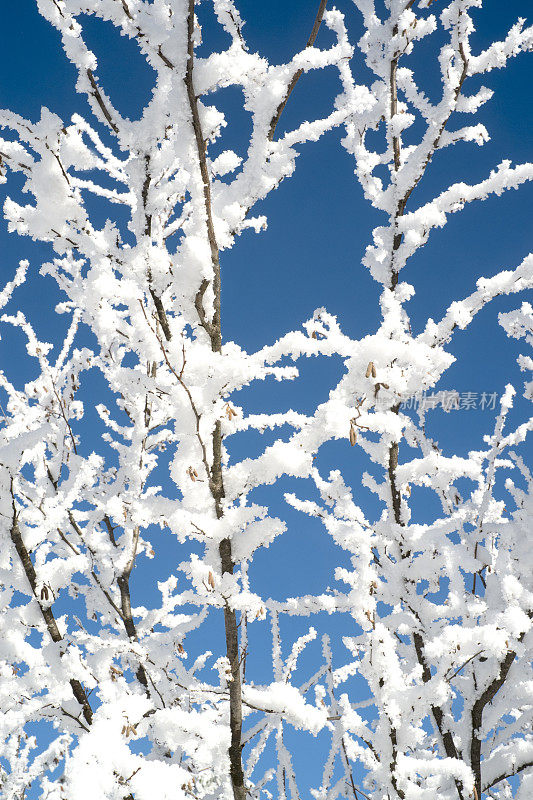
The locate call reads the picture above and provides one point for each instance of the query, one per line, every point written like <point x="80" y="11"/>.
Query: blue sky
<point x="319" y="226"/>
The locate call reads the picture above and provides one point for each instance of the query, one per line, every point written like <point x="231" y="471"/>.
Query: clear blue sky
<point x="319" y="226"/>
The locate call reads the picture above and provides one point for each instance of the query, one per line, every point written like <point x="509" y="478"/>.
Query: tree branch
<point x="216" y="484"/>
<point x="100" y="100"/>
<point x="124" y="612"/>
<point x="477" y="715"/>
<point x="506" y="775"/>
<point x="16" y="537"/>
<point x="215" y="328"/>
<point x="297" y="75"/>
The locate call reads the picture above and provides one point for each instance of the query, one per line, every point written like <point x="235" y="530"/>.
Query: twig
<point x="67" y="423"/>
<point x="76" y="719"/>
<point x="458" y="670"/>
<point x="179" y="378"/>
<point x="100" y="100"/>
<point x="297" y="75"/>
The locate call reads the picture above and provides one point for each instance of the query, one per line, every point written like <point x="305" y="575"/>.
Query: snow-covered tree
<point x="102" y="698"/>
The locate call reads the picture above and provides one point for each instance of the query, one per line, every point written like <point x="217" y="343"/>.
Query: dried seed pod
<point x="371" y="618"/>
<point x="211" y="580"/>
<point x="313" y="335"/>
<point x="370" y="369"/>
<point x="374" y="373"/>
<point x="180" y="648"/>
<point x="353" y="435"/>
<point x="230" y="412"/>
<point x="44" y="593"/>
